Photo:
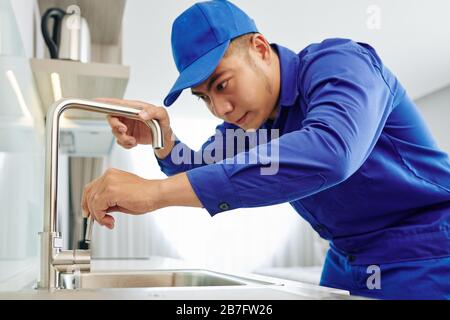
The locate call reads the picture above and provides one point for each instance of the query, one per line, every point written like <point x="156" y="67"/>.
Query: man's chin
<point x="251" y="128"/>
<point x="248" y="127"/>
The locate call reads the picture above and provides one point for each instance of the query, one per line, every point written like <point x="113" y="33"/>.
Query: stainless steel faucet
<point x="53" y="259"/>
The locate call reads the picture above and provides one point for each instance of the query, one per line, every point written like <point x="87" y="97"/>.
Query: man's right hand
<point x="129" y="132"/>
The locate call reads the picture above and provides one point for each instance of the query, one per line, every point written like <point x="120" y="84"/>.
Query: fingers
<point x="129" y="103"/>
<point x="98" y="204"/>
<point x="123" y="102"/>
<point x="92" y="204"/>
<point x="152" y="112"/>
<point x="128" y="145"/>
<point x="108" y="221"/>
<point x="149" y="111"/>
<point x="158" y="113"/>
<point x="117" y="125"/>
<point x="129" y="133"/>
<point x="126" y="141"/>
<point x="119" y="130"/>
<point x="84" y="197"/>
<point x="107" y="100"/>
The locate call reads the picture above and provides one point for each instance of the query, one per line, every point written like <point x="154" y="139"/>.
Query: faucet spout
<point x="51" y="241"/>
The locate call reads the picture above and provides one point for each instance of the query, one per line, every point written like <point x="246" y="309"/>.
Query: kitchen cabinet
<point x="85" y="134"/>
<point x="104" y="18"/>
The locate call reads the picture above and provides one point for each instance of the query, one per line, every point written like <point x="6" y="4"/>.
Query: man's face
<point x="239" y="91"/>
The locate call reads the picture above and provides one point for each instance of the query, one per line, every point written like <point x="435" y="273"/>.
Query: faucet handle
<point x="89" y="227"/>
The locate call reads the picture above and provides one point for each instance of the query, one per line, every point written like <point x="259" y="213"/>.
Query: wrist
<point x="152" y="195"/>
<point x="177" y="191"/>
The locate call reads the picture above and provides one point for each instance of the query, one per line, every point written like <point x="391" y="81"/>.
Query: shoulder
<point x="340" y="50"/>
<point x="337" y="56"/>
<point x="331" y="45"/>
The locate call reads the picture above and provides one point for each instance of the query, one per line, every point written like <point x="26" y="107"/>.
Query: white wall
<point x="435" y="107"/>
<point x="412" y="39"/>
<point x="23" y="10"/>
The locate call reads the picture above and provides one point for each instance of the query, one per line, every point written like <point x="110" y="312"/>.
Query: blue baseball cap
<point x="200" y="37"/>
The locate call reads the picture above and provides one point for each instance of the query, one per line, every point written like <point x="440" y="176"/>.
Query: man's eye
<point x="222" y="85"/>
<point x="204" y="98"/>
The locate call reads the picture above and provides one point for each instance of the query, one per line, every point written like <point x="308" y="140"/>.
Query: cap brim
<point x="197" y="72"/>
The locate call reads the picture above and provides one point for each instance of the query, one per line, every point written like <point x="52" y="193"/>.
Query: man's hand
<point x="129" y="132"/>
<point x="120" y="191"/>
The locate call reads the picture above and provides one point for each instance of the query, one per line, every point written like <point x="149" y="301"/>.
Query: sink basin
<point x="151" y="279"/>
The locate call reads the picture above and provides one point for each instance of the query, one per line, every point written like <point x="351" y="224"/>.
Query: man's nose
<point x="221" y="106"/>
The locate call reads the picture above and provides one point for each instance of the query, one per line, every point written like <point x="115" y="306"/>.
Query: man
<point x="355" y="158"/>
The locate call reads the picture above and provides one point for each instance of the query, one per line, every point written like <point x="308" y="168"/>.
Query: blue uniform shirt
<point x="356" y="159"/>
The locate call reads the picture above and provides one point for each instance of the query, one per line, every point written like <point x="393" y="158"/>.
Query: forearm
<point x="177" y="191"/>
<point x="172" y="164"/>
<point x="180" y="158"/>
<point x="177" y="157"/>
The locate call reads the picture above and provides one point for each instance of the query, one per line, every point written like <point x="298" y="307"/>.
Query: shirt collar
<point x="289" y="68"/>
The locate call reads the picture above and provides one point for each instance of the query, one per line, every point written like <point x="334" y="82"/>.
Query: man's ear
<point x="261" y="47"/>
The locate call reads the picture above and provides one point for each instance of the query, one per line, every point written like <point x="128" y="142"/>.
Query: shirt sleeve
<point x="182" y="158"/>
<point x="347" y="104"/>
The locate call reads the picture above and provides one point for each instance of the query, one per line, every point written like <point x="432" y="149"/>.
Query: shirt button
<point x="224" y="206"/>
<point x="351" y="258"/>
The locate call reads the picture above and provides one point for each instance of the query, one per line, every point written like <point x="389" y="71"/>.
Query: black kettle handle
<point x="53" y="41"/>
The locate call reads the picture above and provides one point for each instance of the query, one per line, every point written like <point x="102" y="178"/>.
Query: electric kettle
<point x="70" y="38"/>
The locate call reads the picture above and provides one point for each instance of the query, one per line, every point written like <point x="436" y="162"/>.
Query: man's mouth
<point x="242" y="120"/>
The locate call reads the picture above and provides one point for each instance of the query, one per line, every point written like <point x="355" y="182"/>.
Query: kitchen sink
<point x="151" y="279"/>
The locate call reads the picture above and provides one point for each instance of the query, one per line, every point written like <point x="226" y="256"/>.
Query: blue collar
<point x="289" y="67"/>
